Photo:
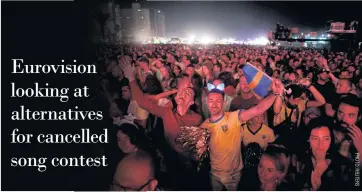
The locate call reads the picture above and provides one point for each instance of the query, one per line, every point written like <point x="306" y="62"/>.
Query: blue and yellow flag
<point x="258" y="81"/>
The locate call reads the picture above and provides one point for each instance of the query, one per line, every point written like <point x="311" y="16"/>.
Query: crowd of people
<point x="304" y="135"/>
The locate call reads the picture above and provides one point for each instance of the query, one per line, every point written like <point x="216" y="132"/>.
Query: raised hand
<point x="277" y="87"/>
<point x="316" y="180"/>
<point x="356" y="134"/>
<point x="128" y="69"/>
<point x="304" y="82"/>
<point x="325" y="63"/>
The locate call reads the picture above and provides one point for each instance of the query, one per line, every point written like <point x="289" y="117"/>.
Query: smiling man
<point x="226" y="135"/>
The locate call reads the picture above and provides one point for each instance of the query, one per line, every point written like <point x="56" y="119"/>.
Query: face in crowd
<point x="244" y="86"/>
<point x="257" y="120"/>
<point x="276" y="74"/>
<point x="343" y="86"/>
<point x="347" y="114"/>
<point x="124" y="143"/>
<point x="190" y="71"/>
<point x="183" y="83"/>
<point x="176" y="70"/>
<point x="126" y="93"/>
<point x="320" y="140"/>
<point x="185" y="97"/>
<point x="323" y="76"/>
<point x="215" y="101"/>
<point x="164" y="72"/>
<point x="273" y="167"/>
<point x="295" y="97"/>
<point x="344" y="75"/>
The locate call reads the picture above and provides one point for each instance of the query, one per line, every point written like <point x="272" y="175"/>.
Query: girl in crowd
<point x="273" y="169"/>
<point x="323" y="168"/>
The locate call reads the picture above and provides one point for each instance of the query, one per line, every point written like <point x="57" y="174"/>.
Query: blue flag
<point x="258" y="81"/>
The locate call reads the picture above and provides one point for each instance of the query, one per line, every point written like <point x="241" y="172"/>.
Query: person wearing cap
<point x="226" y="135"/>
<point x="324" y="85"/>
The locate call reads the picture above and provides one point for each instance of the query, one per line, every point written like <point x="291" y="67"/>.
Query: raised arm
<point x="153" y="67"/>
<point x="142" y="100"/>
<point x="277" y="107"/>
<point x="264" y="104"/>
<point x="331" y="75"/>
<point x="163" y="95"/>
<point x="319" y="99"/>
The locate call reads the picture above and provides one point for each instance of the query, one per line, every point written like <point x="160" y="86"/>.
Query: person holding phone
<point x="347" y="131"/>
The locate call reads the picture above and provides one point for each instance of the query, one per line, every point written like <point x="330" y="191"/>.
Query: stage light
<point x="205" y="40"/>
<point x="191" y="38"/>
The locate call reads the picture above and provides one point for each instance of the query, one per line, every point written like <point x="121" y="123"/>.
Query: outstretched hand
<point x="127" y="67"/>
<point x="325" y="63"/>
<point x="304" y="82"/>
<point x="277" y="87"/>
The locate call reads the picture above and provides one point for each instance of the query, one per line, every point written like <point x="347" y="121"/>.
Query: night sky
<point x="249" y="19"/>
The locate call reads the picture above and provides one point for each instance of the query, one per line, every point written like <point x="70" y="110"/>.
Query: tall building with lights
<point x="157" y="23"/>
<point x="140" y="24"/>
<point x="135" y="23"/>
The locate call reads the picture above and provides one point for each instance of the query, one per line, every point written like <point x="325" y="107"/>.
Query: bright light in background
<point x="191" y="39"/>
<point x="258" y="41"/>
<point x="205" y="39"/>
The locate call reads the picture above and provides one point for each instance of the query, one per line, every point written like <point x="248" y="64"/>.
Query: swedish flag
<point x="258" y="81"/>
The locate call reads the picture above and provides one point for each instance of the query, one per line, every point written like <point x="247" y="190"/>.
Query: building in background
<point x="157" y="19"/>
<point x="118" y="22"/>
<point x="140" y="24"/>
<point x="126" y="25"/>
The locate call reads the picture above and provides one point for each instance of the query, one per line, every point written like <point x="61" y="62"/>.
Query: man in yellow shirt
<point x="226" y="135"/>
<point x="255" y="131"/>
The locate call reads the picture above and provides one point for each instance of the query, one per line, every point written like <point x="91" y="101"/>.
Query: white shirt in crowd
<point x="137" y="111"/>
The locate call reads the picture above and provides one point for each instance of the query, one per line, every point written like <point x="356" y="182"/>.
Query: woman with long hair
<point x="323" y="168"/>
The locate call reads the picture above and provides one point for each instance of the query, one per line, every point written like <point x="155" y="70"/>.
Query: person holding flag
<point x="226" y="134"/>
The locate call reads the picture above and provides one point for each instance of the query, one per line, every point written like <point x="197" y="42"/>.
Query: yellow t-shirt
<point x="262" y="136"/>
<point x="281" y="116"/>
<point x="225" y="143"/>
